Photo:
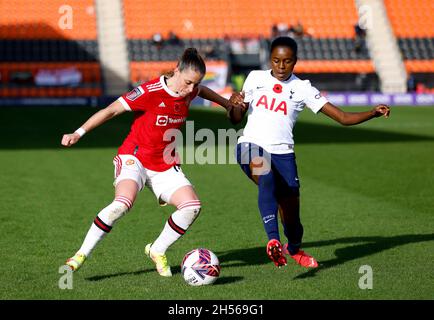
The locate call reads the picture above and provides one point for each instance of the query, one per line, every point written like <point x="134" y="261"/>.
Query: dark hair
<point x="191" y="59"/>
<point x="284" y="42"/>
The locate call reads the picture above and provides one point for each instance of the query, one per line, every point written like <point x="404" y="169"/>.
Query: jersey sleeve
<point x="135" y="100"/>
<point x="248" y="88"/>
<point x="312" y="97"/>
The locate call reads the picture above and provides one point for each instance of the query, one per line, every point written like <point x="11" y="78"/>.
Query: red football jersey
<point x="157" y="109"/>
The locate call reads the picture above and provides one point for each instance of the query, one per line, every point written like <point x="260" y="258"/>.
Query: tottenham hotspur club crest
<point x="292" y="92"/>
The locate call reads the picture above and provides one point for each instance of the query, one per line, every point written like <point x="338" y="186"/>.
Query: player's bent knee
<point x="120" y="206"/>
<point x="192" y="212"/>
<point x="190" y="209"/>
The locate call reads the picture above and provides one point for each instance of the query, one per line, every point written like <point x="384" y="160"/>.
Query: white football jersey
<point x="274" y="106"/>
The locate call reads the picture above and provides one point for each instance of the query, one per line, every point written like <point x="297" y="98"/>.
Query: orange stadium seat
<point x="412" y="22"/>
<point x="34" y="26"/>
<point x="326" y="18"/>
<point x="144" y="71"/>
<point x="39" y="19"/>
<point x="414" y="66"/>
<point x="334" y="66"/>
<point x="411" y="18"/>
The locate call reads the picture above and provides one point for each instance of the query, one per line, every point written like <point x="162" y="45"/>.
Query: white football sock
<point x="177" y="225"/>
<point x="103" y="223"/>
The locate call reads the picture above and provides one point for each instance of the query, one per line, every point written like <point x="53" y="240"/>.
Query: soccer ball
<point x="200" y="267"/>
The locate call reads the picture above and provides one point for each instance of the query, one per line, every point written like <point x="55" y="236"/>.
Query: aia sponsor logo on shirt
<point x="272" y="104"/>
<point x="134" y="94"/>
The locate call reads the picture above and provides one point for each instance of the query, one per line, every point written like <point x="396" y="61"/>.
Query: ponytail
<point x="191" y="59"/>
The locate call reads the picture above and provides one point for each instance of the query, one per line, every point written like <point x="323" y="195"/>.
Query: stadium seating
<point x="329" y="46"/>
<point x="32" y="39"/>
<point x="410" y="18"/>
<point x="242" y="18"/>
<point x="413" y="25"/>
<point x="145" y="50"/>
<point x="142" y="71"/>
<point x="329" y="24"/>
<point x="417" y="48"/>
<point x="39" y="19"/>
<point x="333" y="66"/>
<point x="48" y="50"/>
<point x="91" y="78"/>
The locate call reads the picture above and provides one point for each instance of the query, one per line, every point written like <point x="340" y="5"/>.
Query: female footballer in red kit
<point x="143" y="158"/>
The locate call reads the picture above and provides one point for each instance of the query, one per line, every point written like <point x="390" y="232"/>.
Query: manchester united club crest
<point x="129" y="162"/>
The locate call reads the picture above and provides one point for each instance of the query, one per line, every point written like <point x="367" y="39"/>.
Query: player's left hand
<point x="381" y="110"/>
<point x="237" y="100"/>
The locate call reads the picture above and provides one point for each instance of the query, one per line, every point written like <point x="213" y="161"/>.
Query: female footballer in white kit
<point x="265" y="152"/>
<point x="144" y="158"/>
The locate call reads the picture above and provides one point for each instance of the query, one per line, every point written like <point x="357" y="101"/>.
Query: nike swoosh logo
<point x="259" y="87"/>
<point x="268" y="220"/>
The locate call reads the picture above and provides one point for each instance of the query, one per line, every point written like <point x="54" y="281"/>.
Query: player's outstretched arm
<point x="208" y="94"/>
<point x="352" y="118"/>
<point x="232" y="106"/>
<point x="103" y="115"/>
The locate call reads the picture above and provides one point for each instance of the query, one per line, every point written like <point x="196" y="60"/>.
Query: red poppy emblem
<point x="277" y="88"/>
<point x="177" y="108"/>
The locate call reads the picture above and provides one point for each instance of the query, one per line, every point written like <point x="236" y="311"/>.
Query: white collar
<point x="172" y="93"/>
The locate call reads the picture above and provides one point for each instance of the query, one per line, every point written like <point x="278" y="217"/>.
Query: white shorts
<point x="162" y="184"/>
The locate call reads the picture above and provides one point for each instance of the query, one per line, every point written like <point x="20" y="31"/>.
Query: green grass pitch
<point x="367" y="199"/>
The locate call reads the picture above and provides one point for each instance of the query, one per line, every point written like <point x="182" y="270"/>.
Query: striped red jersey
<point x="157" y="109"/>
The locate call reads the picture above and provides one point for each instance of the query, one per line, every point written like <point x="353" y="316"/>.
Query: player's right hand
<point x="70" y="139"/>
